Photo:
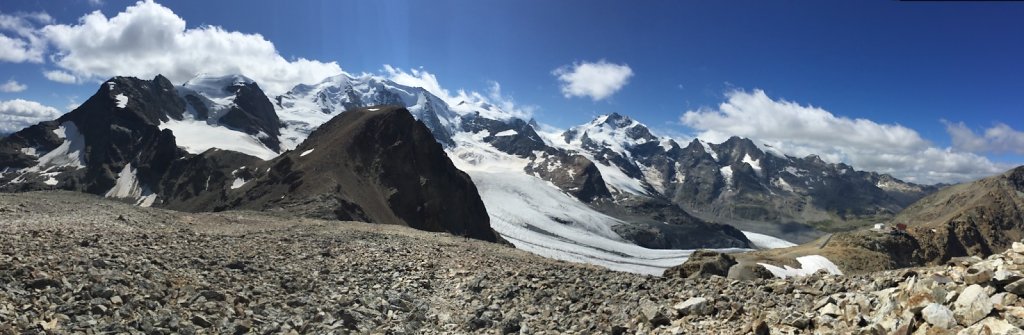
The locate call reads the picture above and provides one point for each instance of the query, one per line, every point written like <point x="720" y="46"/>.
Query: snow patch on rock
<point x="122" y="100"/>
<point x="808" y="265"/>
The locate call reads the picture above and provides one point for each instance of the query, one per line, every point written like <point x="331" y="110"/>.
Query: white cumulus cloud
<point x="147" y="39"/>
<point x="999" y="138"/>
<point x="60" y="76"/>
<point x="17" y="114"/>
<point x="20" y="41"/>
<point x="12" y="86"/>
<point x="802" y="130"/>
<point x="598" y="80"/>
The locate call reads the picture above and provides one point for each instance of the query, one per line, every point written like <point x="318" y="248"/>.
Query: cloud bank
<point x="17" y="114"/>
<point x="147" y="39"/>
<point x="597" y="80"/>
<point x="998" y="139"/>
<point x="802" y="130"/>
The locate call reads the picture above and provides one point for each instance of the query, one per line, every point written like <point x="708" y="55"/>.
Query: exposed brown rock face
<point x="703" y="263"/>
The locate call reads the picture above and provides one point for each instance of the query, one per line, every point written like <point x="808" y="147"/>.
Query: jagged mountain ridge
<point x="737" y="181"/>
<point x="620" y="199"/>
<point x="123" y="143"/>
<point x="468" y="126"/>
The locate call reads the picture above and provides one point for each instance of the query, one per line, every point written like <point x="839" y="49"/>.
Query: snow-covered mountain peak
<point x="613" y="131"/>
<point x="307" y="106"/>
<point x="216" y="88"/>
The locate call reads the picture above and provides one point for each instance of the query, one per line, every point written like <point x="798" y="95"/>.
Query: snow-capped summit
<point x="228" y="112"/>
<point x="307" y="106"/>
<point x="612" y="131"/>
<point x="216" y="87"/>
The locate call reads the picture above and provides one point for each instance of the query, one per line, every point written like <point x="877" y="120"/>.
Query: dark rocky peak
<point x="150" y="101"/>
<point x="640" y="132"/>
<point x="375" y="164"/>
<point x="1016" y="178"/>
<point x="736" y="149"/>
<point x="254" y="114"/>
<point x="514" y="136"/>
<point x="22" y="149"/>
<point x="615" y="120"/>
<point x="631" y="128"/>
<point x="815" y="160"/>
<point x="113" y="138"/>
<point x="694" y="151"/>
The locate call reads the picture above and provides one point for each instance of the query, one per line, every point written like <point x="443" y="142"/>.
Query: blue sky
<point x="911" y="64"/>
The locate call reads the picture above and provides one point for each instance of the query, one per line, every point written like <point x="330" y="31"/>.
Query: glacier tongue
<point x="537" y="217"/>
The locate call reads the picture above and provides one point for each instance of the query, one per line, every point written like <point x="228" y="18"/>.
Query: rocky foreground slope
<point x="78" y="263"/>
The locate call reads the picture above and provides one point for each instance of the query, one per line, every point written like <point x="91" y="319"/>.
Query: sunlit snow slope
<point x="538" y="217"/>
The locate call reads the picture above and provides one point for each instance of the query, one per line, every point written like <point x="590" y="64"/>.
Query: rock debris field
<point x="72" y="263"/>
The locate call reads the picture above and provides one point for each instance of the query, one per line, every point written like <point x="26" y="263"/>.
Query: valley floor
<point x="78" y="263"/>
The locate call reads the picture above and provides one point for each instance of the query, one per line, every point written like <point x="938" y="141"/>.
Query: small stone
<point x="213" y="295"/>
<point x="972" y="305"/>
<point x="760" y="328"/>
<point x="939" y="316"/>
<point x="51" y="325"/>
<point x="830" y="310"/>
<point x="1014" y="315"/>
<point x="694" y="306"/>
<point x="796" y="319"/>
<point x="200" y="321"/>
<point x="1017" y="247"/>
<point x="42" y="283"/>
<point x="1004" y="276"/>
<point x="918" y="301"/>
<point x="1016" y="287"/>
<point x="116" y="300"/>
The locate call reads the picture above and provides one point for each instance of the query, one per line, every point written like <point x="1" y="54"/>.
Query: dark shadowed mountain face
<point x="379" y="166"/>
<point x="116" y="143"/>
<point x="375" y="165"/>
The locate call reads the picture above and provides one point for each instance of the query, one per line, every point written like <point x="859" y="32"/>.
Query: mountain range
<point x="608" y="192"/>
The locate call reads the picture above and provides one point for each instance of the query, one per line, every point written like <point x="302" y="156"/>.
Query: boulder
<point x="939" y="316"/>
<point x="748" y="271"/>
<point x="972" y="305"/>
<point x="703" y="264"/>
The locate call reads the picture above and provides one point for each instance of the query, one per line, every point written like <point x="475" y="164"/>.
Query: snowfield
<point x="762" y="241"/>
<point x="197" y="136"/>
<point x="808" y="265"/>
<point x="537" y="217"/>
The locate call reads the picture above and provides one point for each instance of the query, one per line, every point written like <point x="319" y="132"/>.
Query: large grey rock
<point x="939" y="316"/>
<point x="993" y="326"/>
<point x="748" y="271"/>
<point x="972" y="305"/>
